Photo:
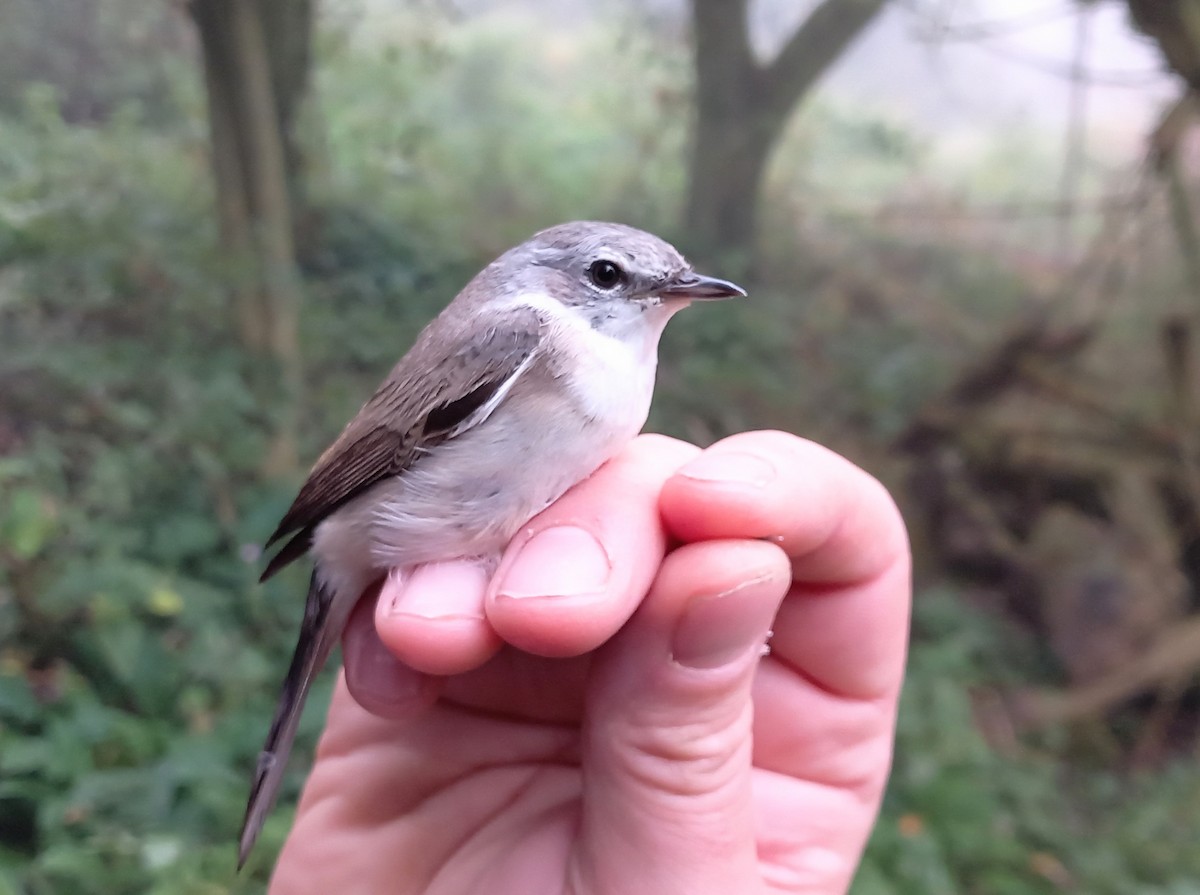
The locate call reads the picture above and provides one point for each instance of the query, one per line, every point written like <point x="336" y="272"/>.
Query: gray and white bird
<point x="539" y="371"/>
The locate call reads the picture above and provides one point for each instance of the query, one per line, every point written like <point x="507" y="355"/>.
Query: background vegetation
<point x="1034" y="405"/>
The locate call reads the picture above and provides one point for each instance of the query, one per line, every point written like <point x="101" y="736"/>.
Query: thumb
<point x="667" y="735"/>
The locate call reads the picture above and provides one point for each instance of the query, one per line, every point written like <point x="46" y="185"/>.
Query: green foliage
<point x="435" y="127"/>
<point x="84" y="50"/>
<point x="960" y="818"/>
<point x="138" y="658"/>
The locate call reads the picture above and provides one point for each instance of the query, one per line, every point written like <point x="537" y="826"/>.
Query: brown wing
<point x="449" y="374"/>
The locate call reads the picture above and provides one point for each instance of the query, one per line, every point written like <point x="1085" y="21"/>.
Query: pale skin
<point x="602" y="719"/>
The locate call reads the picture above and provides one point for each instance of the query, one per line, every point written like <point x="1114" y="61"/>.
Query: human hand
<point x="603" y="720"/>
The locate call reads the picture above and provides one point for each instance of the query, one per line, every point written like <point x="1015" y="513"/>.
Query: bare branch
<point x="823" y="37"/>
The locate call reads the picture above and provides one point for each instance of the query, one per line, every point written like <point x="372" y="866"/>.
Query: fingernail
<point x="716" y="629"/>
<point x="562" y="561"/>
<point x="730" y="467"/>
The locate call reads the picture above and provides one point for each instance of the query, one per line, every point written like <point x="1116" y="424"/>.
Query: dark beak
<point x="701" y="288"/>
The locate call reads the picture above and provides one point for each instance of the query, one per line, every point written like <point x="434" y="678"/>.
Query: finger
<point x="810" y="837"/>
<point x="846" y="627"/>
<point x="576" y="572"/>
<point x="666" y="746"/>
<point x="804" y="731"/>
<point x="390" y="807"/>
<point x="825" y="700"/>
<point x="431" y="616"/>
<point x="378" y="681"/>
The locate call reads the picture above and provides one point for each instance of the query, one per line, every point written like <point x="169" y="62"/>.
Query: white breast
<point x="613" y="372"/>
<point x="561" y="420"/>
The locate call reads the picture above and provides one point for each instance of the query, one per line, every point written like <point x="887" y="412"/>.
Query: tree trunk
<point x="233" y="211"/>
<point x="728" y="160"/>
<point x="288" y="29"/>
<point x="1175" y="26"/>
<point x="741" y="109"/>
<point x="254" y="202"/>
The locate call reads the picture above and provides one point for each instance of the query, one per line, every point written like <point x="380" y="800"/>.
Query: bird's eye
<point x="606" y="274"/>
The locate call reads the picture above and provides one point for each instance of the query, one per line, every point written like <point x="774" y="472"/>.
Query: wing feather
<point x="430" y="394"/>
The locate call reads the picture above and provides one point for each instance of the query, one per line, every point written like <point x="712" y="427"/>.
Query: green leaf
<point x="18" y="705"/>
<point x="28" y="521"/>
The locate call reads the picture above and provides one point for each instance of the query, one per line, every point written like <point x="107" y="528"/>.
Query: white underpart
<point x="469" y="495"/>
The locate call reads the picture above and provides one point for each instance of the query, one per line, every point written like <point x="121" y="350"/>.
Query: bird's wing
<point x="439" y="389"/>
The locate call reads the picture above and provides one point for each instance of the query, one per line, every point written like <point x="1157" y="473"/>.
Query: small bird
<point x="539" y="371"/>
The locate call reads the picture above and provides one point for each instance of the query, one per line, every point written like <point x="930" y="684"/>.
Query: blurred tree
<point x="99" y="55"/>
<point x="742" y="106"/>
<point x="256" y="62"/>
<point x="1175" y="27"/>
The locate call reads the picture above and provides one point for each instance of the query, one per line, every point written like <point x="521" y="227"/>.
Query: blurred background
<point x="970" y="229"/>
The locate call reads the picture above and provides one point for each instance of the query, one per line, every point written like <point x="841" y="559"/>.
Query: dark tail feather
<point x="312" y="649"/>
<point x="295" y="548"/>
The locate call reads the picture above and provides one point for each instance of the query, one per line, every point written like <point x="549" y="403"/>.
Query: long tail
<point x="316" y="641"/>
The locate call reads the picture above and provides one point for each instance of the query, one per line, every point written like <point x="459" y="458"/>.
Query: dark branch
<point x="823" y="37"/>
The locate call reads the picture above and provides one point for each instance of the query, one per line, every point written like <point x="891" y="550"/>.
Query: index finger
<point x="844" y="626"/>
